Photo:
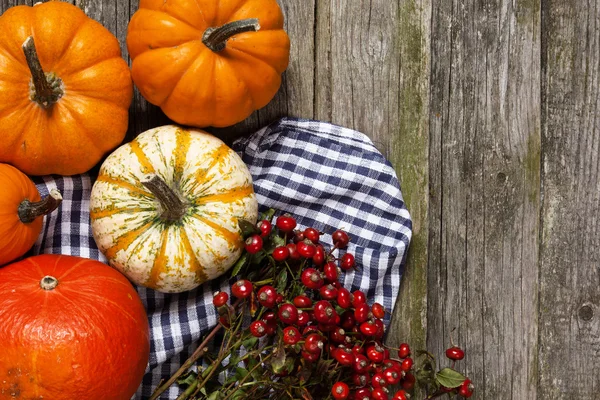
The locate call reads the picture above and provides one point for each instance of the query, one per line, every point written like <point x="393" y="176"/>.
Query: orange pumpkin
<point x="70" y="328"/>
<point x="65" y="90"/>
<point x="21" y="212"/>
<point x="208" y="63"/>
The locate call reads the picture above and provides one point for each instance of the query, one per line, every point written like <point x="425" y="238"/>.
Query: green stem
<point x="216" y="38"/>
<point x="29" y="211"/>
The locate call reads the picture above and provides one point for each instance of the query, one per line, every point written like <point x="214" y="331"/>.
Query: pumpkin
<point x="70" y="328"/>
<point x="21" y="212"/>
<point x="165" y="208"/>
<point x="208" y="63"/>
<point x="65" y="91"/>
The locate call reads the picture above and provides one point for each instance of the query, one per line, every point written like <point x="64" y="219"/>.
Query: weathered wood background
<point x="490" y="112"/>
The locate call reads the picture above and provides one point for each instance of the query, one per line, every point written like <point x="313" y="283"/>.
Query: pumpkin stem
<point x="216" y="38"/>
<point x="173" y="208"/>
<point x="29" y="211"/>
<point x="48" y="282"/>
<point x="45" y="88"/>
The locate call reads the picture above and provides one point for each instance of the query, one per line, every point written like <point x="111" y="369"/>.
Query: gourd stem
<point x="47" y="87"/>
<point x="216" y="38"/>
<point x="173" y="208"/>
<point x="29" y="211"/>
<point x="48" y="282"/>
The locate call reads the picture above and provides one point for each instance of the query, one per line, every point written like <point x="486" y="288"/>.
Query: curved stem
<point x="216" y="38"/>
<point x="29" y="211"/>
<point x="173" y="207"/>
<point x="47" y="87"/>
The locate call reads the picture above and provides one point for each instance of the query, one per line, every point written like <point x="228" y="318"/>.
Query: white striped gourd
<point x="165" y="208"/>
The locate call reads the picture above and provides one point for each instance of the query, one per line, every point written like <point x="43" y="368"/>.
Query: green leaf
<point x="450" y="378"/>
<point x="188" y="378"/>
<point x="250" y="342"/>
<point x="239" y="264"/>
<point x="214" y="395"/>
<point x="240" y="373"/>
<point x="277" y="241"/>
<point x="238" y="395"/>
<point x="278" y="359"/>
<point x="281" y="281"/>
<point x="248" y="228"/>
<point x="268" y="215"/>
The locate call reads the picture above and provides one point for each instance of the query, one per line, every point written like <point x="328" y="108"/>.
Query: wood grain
<point x="485" y="182"/>
<point x="569" y="319"/>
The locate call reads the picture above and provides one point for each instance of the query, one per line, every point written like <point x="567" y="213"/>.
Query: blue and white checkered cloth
<point x="328" y="177"/>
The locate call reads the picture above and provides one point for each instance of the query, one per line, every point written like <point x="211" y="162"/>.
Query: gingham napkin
<point x="328" y="177"/>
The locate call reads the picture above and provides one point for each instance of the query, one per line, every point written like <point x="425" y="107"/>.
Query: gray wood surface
<point x="489" y="111"/>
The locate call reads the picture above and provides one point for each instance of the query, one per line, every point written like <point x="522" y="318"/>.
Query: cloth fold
<point x="327" y="176"/>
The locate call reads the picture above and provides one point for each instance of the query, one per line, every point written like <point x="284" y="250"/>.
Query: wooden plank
<point x="485" y="179"/>
<point x="357" y="67"/>
<point x="410" y="156"/>
<point x="569" y="351"/>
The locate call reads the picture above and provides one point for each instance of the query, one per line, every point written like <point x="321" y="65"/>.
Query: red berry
<point x="380" y="328"/>
<point x="302" y="301"/>
<point x="400" y="395"/>
<point x="220" y="299"/>
<point x="377" y="380"/>
<point x="311" y="278"/>
<point x="379" y="394"/>
<point x="361" y="313"/>
<point x="368" y="328"/>
<point x="347" y="320"/>
<point x="306" y="249"/>
<point x="254" y="244"/>
<point x="286" y="223"/>
<point x="271" y="328"/>
<point x="312" y="234"/>
<point x="455" y="353"/>
<point x="466" y="389"/>
<point x="279" y="299"/>
<point x="330" y="270"/>
<point x="340" y="239"/>
<point x="291" y="335"/>
<point x="258" y="328"/>
<point x="375" y="353"/>
<point x="358" y="349"/>
<point x="293" y="251"/>
<point x="363" y="394"/>
<point x="308" y="356"/>
<point x="281" y="253"/>
<point x="408" y="383"/>
<point x="224" y="320"/>
<point x="269" y="316"/>
<point x="378" y="310"/>
<point x="347" y="262"/>
<point x="328" y="292"/>
<point x="265" y="228"/>
<point x="303" y="318"/>
<point x="361" y="363"/>
<point x="267" y="296"/>
<point x="338" y="335"/>
<point x="288" y="314"/>
<point x="241" y="289"/>
<point x="404" y="350"/>
<point x="344" y="298"/>
<point x="407" y="364"/>
<point x="313" y="343"/>
<point x="392" y="376"/>
<point x="324" y="312"/>
<point x="358" y="297"/>
<point x="340" y="391"/>
<point x="298" y="236"/>
<point x="360" y="380"/>
<point x="344" y="356"/>
<point x="319" y="257"/>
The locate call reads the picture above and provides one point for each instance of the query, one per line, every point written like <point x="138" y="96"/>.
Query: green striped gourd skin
<point x="172" y="256"/>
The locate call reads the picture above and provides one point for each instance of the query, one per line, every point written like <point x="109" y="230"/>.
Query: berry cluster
<point x="307" y="335"/>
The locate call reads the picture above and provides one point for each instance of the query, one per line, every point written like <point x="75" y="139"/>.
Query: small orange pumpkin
<point x="208" y="63"/>
<point x="71" y="329"/>
<point x="21" y="212"/>
<point x="65" y="90"/>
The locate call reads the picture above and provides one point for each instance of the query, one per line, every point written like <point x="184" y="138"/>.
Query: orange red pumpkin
<point x="70" y="328"/>
<point x="65" y="90"/>
<point x="208" y="63"/>
<point x="21" y="212"/>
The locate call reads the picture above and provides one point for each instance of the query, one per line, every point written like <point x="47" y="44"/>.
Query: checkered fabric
<point x="328" y="177"/>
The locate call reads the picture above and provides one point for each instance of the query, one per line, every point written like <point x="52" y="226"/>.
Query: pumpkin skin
<point x="83" y="60"/>
<point x="194" y="85"/>
<point x="131" y="224"/>
<point x="21" y="212"/>
<point x="86" y="338"/>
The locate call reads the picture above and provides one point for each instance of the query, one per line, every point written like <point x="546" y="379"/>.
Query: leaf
<point x="268" y="215"/>
<point x="450" y="378"/>
<point x="282" y="280"/>
<point x="240" y="373"/>
<point x="289" y="364"/>
<point x="277" y="241"/>
<point x="239" y="264"/>
<point x="188" y="378"/>
<point x="278" y="359"/>
<point x="214" y="395"/>
<point x="248" y="228"/>
<point x="250" y="342"/>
